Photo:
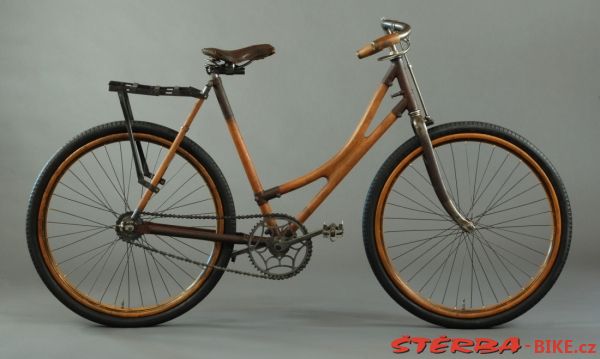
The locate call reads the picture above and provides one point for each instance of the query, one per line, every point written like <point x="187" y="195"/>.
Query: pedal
<point x="333" y="231"/>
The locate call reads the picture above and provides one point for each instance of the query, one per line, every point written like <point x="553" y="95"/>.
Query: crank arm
<point x="304" y="237"/>
<point x="419" y="125"/>
<point x="292" y="242"/>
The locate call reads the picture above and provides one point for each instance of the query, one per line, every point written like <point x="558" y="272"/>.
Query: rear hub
<point x="125" y="227"/>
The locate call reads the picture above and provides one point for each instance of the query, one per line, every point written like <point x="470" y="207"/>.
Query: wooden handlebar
<point x="383" y="42"/>
<point x="378" y="45"/>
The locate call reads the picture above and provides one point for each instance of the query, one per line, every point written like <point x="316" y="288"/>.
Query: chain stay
<point x="212" y="266"/>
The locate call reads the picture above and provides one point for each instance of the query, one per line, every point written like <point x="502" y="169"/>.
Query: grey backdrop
<point x="531" y="66"/>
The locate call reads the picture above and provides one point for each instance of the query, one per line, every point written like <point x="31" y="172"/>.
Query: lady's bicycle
<point x="465" y="225"/>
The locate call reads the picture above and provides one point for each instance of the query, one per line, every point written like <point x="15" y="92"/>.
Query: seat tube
<point x="239" y="143"/>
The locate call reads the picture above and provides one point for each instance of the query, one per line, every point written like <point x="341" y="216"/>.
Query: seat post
<point x="240" y="145"/>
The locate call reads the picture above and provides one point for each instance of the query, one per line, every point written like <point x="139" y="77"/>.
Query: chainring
<point x="278" y="258"/>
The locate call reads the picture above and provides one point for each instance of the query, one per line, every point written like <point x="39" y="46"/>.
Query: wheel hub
<point x="125" y="227"/>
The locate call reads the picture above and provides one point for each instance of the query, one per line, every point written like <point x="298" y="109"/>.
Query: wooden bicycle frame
<point x="338" y="166"/>
<point x="334" y="170"/>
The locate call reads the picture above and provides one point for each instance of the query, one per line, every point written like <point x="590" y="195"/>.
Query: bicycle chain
<point x="216" y="267"/>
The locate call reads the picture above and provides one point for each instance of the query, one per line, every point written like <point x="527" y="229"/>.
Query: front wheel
<point x="444" y="275"/>
<point x="84" y="191"/>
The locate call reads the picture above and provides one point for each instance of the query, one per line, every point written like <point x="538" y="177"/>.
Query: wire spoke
<point x="417" y="219"/>
<point x="84" y="204"/>
<point x="175" y="264"/>
<point x="80" y="240"/>
<point x="417" y="241"/>
<point x="493" y="266"/>
<point x="521" y="233"/>
<point x="443" y="264"/>
<point x="108" y="177"/>
<point x="72" y="233"/>
<point x="502" y="186"/>
<point x="78" y="224"/>
<point x="176" y="190"/>
<point x="188" y="245"/>
<point x="484" y="274"/>
<point x="491" y="180"/>
<point x="80" y="217"/>
<point x="514" y="241"/>
<point x="105" y="203"/>
<point x="420" y="174"/>
<point x="121" y="187"/>
<point x="187" y="204"/>
<point x="157" y="268"/>
<point x="425" y="252"/>
<point x="137" y="278"/>
<point x="125" y="269"/>
<point x="100" y="203"/>
<point x="87" y="172"/>
<point x="107" y="250"/>
<point x="429" y="210"/>
<point x="510" y="199"/>
<point x="518" y="206"/>
<point x="493" y="245"/>
<point x="476" y="193"/>
<point x="150" y="277"/>
<point x="84" y="253"/>
<point x="417" y="210"/>
<point x="451" y="269"/>
<point x="480" y="237"/>
<point x="517" y="219"/>
<point x="474" y="274"/>
<point x="422" y="194"/>
<point x="113" y="275"/>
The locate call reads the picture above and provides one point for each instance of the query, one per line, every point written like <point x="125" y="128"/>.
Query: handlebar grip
<point x="379" y="44"/>
<point x="366" y="51"/>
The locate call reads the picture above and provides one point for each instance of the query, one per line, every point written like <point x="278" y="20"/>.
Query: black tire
<point x="39" y="188"/>
<point x="375" y="260"/>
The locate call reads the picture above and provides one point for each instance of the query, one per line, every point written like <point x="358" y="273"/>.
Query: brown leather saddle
<point x="250" y="53"/>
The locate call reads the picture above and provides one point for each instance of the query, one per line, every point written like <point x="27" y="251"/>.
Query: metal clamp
<point x="397" y="50"/>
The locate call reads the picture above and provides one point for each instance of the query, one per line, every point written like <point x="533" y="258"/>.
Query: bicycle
<point x="465" y="225"/>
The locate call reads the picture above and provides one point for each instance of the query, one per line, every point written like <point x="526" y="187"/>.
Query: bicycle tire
<point x="35" y="240"/>
<point x="395" y="285"/>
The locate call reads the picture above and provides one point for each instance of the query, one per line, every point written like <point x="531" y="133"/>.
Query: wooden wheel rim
<point x="84" y="299"/>
<point x="507" y="304"/>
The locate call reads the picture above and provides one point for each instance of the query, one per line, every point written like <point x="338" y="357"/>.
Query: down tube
<point x="346" y="160"/>
<point x="336" y="168"/>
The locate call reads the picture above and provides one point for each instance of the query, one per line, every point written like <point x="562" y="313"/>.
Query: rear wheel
<point x="81" y="195"/>
<point x="468" y="280"/>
